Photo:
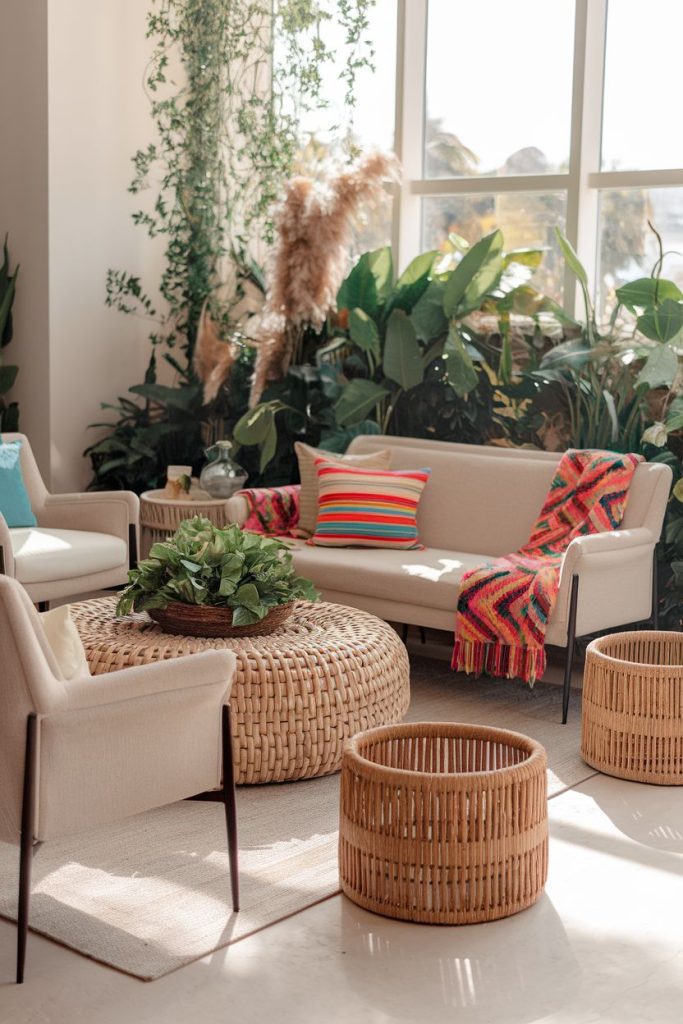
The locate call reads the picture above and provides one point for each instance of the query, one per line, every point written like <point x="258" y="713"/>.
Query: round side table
<point x="161" y="515"/>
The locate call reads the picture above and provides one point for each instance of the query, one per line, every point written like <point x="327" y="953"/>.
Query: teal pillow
<point x="14" y="501"/>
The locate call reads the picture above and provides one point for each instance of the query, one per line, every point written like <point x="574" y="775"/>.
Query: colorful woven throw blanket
<point x="504" y="605"/>
<point x="272" y="510"/>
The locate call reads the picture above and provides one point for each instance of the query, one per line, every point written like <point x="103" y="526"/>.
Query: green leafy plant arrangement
<point x="607" y="377"/>
<point x="9" y="411"/>
<point x="224" y="568"/>
<point x="406" y="356"/>
<point x="226" y="117"/>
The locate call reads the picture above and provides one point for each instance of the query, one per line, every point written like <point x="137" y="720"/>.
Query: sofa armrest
<point x="6" y="550"/>
<point x="110" y="512"/>
<point x="156" y="678"/>
<point x="615" y="543"/>
<point x="614" y="570"/>
<point x="268" y="510"/>
<point x="237" y="508"/>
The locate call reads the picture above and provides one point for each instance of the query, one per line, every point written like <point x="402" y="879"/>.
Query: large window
<point x="526" y="114"/>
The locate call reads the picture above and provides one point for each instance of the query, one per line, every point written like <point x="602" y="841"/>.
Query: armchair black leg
<point x="569" y="654"/>
<point x="655" y="591"/>
<point x="26" y="847"/>
<point x="423" y="635"/>
<point x="43" y="606"/>
<point x="132" y="547"/>
<point x="404" y="633"/>
<point x="230" y="806"/>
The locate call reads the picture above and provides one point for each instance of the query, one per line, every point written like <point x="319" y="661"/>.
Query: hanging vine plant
<point x="226" y="116"/>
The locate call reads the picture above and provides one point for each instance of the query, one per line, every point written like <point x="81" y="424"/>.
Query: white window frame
<point x="584" y="179"/>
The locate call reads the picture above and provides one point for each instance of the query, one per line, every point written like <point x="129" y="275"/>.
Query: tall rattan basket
<point x="632" y="719"/>
<point x="443" y="823"/>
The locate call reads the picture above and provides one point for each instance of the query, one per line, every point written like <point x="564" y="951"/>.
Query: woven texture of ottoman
<point x="443" y="823"/>
<point x="632" y="717"/>
<point x="298" y="694"/>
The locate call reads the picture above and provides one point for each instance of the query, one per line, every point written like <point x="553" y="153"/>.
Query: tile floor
<point x="604" y="944"/>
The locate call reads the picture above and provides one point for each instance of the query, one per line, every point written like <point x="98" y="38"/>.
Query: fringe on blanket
<point x="500" y="660"/>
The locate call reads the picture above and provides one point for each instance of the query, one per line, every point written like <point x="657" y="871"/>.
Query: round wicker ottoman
<point x="298" y="694"/>
<point x="443" y="823"/>
<point x="632" y="719"/>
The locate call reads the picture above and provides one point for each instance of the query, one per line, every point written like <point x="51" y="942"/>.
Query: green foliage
<point x="9" y="411"/>
<point x="227" y="133"/>
<point x="406" y="357"/>
<point x="226" y="568"/>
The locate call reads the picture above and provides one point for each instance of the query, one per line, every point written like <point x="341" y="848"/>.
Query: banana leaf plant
<point x="9" y="411"/>
<point x="605" y="378"/>
<point x="404" y="356"/>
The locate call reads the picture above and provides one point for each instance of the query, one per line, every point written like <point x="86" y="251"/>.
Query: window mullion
<point x="586" y="133"/>
<point x="410" y="117"/>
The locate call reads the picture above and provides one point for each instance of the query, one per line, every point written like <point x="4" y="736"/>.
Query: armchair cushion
<point x="41" y="555"/>
<point x="15" y="505"/>
<point x="65" y="642"/>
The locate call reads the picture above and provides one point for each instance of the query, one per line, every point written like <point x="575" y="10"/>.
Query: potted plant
<point x="206" y="581"/>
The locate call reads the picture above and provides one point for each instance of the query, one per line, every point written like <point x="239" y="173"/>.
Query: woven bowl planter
<point x="443" y="823"/>
<point x="207" y="620"/>
<point x="632" y="719"/>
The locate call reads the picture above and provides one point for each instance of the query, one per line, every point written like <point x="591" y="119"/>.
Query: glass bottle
<point x="221" y="477"/>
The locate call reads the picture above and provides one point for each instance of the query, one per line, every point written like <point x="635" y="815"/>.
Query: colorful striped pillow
<point x="367" y="508"/>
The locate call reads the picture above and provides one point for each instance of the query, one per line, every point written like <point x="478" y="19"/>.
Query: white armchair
<point x="83" y="542"/>
<point x="80" y="752"/>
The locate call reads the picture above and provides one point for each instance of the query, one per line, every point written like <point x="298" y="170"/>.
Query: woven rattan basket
<point x="632" y="721"/>
<point x="443" y="823"/>
<point x="207" y="620"/>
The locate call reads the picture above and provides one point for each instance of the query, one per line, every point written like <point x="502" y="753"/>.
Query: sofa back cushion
<point x="485" y="499"/>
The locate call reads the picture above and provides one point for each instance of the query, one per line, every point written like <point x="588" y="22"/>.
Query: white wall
<point x="24" y="205"/>
<point x="72" y="97"/>
<point x="99" y="116"/>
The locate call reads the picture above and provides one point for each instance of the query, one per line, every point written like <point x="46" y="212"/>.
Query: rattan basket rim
<point x="535" y="750"/>
<point x="594" y="651"/>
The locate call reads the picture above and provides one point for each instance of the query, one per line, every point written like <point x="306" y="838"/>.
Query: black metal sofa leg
<point x="26" y="847"/>
<point x="569" y="653"/>
<point x="230" y="807"/>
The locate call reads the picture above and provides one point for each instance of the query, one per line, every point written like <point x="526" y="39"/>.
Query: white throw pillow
<point x="65" y="642"/>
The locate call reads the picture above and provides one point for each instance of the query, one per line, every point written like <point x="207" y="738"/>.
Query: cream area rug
<point x="152" y="893"/>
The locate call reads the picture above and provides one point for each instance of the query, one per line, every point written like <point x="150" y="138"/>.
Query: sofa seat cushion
<point x="44" y="556"/>
<point x="429" y="577"/>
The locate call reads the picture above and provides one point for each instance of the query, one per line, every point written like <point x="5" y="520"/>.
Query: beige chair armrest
<point x="151" y="741"/>
<point x="7" y="565"/>
<point x="97" y="511"/>
<point x="157" y="678"/>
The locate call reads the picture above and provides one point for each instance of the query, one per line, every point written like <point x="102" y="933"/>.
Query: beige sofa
<point x="480" y="502"/>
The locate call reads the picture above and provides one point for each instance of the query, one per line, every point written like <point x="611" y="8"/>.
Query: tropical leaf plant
<point x="202" y="564"/>
<point x="406" y="357"/>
